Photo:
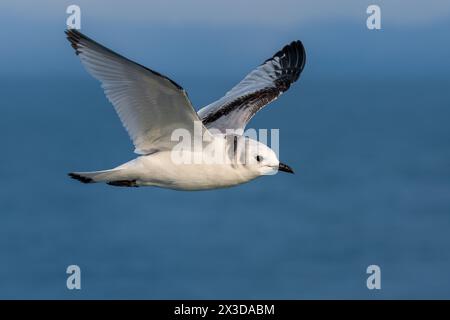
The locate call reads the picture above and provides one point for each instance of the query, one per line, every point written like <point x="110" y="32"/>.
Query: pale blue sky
<point x="242" y="12"/>
<point x="200" y="37"/>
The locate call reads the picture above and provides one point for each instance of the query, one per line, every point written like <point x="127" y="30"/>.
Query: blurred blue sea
<point x="366" y="129"/>
<point x="371" y="187"/>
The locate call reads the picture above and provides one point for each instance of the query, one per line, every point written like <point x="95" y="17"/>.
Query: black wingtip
<point x="296" y="51"/>
<point x="292" y="59"/>
<point x="302" y="52"/>
<point x="74" y="36"/>
<point x="80" y="178"/>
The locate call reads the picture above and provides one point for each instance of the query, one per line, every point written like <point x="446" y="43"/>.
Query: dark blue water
<point x="372" y="186"/>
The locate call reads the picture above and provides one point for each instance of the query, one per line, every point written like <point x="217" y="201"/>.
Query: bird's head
<point x="263" y="160"/>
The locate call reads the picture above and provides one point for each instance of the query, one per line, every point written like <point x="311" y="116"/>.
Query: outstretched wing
<point x="149" y="104"/>
<point x="257" y="89"/>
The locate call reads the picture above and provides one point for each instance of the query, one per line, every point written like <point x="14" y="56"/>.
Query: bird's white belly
<point x="159" y="170"/>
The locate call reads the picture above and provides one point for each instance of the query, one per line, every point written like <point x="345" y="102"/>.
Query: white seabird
<point x="151" y="107"/>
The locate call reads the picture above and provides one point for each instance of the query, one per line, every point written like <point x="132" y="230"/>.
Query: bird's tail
<point x="96" y="176"/>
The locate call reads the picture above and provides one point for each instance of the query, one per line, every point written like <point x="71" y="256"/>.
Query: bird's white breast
<point x="160" y="169"/>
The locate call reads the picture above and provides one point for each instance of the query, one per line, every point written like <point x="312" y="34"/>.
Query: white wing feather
<point x="256" y="90"/>
<point x="149" y="104"/>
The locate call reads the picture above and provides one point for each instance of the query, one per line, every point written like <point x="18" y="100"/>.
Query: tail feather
<point x="95" y="176"/>
<point x="81" y="178"/>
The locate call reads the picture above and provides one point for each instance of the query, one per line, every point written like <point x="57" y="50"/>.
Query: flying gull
<point x="152" y="107"/>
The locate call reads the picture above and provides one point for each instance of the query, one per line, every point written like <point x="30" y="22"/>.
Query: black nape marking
<point x="123" y="183"/>
<point x="80" y="178"/>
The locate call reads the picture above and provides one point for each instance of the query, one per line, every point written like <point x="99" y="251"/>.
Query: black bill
<point x="285" y="168"/>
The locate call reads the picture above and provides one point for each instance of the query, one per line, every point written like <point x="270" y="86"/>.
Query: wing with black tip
<point x="260" y="87"/>
<point x="150" y="105"/>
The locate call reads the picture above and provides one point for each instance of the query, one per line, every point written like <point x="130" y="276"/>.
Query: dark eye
<point x="259" y="158"/>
